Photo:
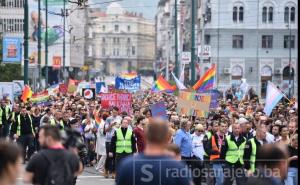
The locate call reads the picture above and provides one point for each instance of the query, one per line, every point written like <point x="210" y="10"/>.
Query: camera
<point x="72" y="139"/>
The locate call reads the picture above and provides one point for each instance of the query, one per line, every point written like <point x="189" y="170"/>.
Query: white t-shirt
<point x="197" y="144"/>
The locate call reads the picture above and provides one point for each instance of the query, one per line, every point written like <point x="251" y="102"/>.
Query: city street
<point x="89" y="177"/>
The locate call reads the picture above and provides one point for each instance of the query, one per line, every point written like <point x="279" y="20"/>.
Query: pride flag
<point x="207" y="81"/>
<point x="41" y="97"/>
<point x="26" y="94"/>
<point x="162" y="85"/>
<point x="129" y="76"/>
<point x="274" y="95"/>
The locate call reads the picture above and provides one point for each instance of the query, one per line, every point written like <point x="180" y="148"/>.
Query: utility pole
<point x="202" y="32"/>
<point x="64" y="42"/>
<point x="176" y="43"/>
<point x="46" y="44"/>
<point x="193" y="43"/>
<point x="26" y="35"/>
<point x="39" y="43"/>
<point x="290" y="58"/>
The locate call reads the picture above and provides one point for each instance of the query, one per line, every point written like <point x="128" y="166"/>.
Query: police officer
<point x="123" y="143"/>
<point x="23" y="132"/>
<point x="4" y="118"/>
<point x="251" y="149"/>
<point x="232" y="151"/>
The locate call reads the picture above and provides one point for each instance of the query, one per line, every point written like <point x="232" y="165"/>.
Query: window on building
<point x="114" y="40"/>
<point x="128" y="52"/>
<point x="264" y="15"/>
<point x="207" y="39"/>
<point x="293" y="12"/>
<point x="118" y="51"/>
<point x="90" y="51"/>
<point x="286" y="14"/>
<point x="270" y="18"/>
<point x="238" y="14"/>
<point x="234" y="14"/>
<point x="241" y="14"/>
<point x="286" y="42"/>
<point x="128" y="40"/>
<point x="133" y="50"/>
<point x="116" y="28"/>
<point x="208" y="14"/>
<point x="103" y="52"/>
<point x="267" y="41"/>
<point x="118" y="40"/>
<point x="103" y="28"/>
<point x="128" y="28"/>
<point x="114" y="52"/>
<point x="103" y="40"/>
<point x="237" y="41"/>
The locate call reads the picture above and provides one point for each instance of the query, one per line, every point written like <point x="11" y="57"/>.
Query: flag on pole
<point x="181" y="77"/>
<point x="26" y="94"/>
<point x="207" y="81"/>
<point x="162" y="85"/>
<point x="274" y="95"/>
<point x="178" y="83"/>
<point x="244" y="87"/>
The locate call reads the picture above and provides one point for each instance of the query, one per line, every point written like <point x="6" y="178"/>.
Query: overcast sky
<point x="147" y="7"/>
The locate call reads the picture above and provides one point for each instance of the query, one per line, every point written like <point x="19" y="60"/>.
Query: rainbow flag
<point x="162" y="85"/>
<point x="129" y="76"/>
<point x="41" y="97"/>
<point x="274" y="95"/>
<point x="207" y="81"/>
<point x="26" y="94"/>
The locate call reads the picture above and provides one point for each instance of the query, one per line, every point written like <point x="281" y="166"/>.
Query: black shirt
<point x="38" y="165"/>
<point x="248" y="152"/>
<point x="293" y="152"/>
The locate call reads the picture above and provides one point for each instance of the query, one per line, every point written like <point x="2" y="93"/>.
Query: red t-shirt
<point x="140" y="139"/>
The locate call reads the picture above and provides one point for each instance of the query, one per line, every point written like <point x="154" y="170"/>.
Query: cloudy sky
<point x="147" y="7"/>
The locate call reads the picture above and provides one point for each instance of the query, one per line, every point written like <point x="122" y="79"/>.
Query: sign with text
<point x="56" y="63"/>
<point x="186" y="57"/>
<point x="121" y="100"/>
<point x="159" y="110"/>
<point x="193" y="104"/>
<point x="131" y="85"/>
<point x="206" y="51"/>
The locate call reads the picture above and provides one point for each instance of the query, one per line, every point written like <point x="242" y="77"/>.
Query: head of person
<point x="23" y="110"/>
<point x="284" y="132"/>
<point x="215" y="125"/>
<point x="136" y="112"/>
<point x="157" y="133"/>
<point x="185" y="124"/>
<point x="49" y="136"/>
<point x="294" y="141"/>
<point x="124" y="123"/>
<point x="173" y="151"/>
<point x="236" y="129"/>
<point x="273" y="157"/>
<point x="275" y="130"/>
<point x="223" y="127"/>
<point x="140" y="121"/>
<point x="58" y="115"/>
<point x="199" y="129"/>
<point x="292" y="127"/>
<point x="115" y="111"/>
<point x="11" y="160"/>
<point x="147" y="113"/>
<point x="261" y="133"/>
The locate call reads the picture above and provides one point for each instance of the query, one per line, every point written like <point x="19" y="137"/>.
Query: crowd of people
<point x="234" y="142"/>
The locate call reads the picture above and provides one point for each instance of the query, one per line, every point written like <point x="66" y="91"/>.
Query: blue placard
<point x="214" y="100"/>
<point x="12" y="50"/>
<point x="131" y="85"/>
<point x="159" y="110"/>
<point x="99" y="86"/>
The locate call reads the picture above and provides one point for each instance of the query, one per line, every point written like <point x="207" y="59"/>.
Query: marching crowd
<point x="235" y="142"/>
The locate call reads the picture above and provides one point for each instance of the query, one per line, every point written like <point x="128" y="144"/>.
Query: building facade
<point x="119" y="41"/>
<point x="245" y="39"/>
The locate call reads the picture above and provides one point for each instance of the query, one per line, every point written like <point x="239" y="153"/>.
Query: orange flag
<point x="27" y="93"/>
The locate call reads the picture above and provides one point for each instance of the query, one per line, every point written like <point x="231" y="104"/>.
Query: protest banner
<point x="40" y="98"/>
<point x="99" y="86"/>
<point x="131" y="85"/>
<point x="88" y="93"/>
<point x="121" y="100"/>
<point x="214" y="100"/>
<point x="193" y="104"/>
<point x="159" y="110"/>
<point x="63" y="88"/>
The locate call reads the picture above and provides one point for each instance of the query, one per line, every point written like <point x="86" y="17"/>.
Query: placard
<point x="121" y="100"/>
<point x="159" y="110"/>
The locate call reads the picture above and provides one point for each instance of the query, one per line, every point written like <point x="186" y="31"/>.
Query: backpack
<point x="59" y="171"/>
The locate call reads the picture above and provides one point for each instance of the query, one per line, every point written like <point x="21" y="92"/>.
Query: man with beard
<point x="54" y="163"/>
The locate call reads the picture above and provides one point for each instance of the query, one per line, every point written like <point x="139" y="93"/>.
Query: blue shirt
<point x="152" y="170"/>
<point x="183" y="140"/>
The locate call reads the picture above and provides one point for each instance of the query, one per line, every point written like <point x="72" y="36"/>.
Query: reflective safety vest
<point x="53" y="123"/>
<point x="6" y="113"/>
<point x="253" y="155"/>
<point x="19" y="125"/>
<point x="234" y="153"/>
<point x="208" y="134"/>
<point x="123" y="144"/>
<point x="214" y="147"/>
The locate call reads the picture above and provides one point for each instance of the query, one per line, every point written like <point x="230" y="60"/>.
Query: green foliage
<point x="10" y="72"/>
